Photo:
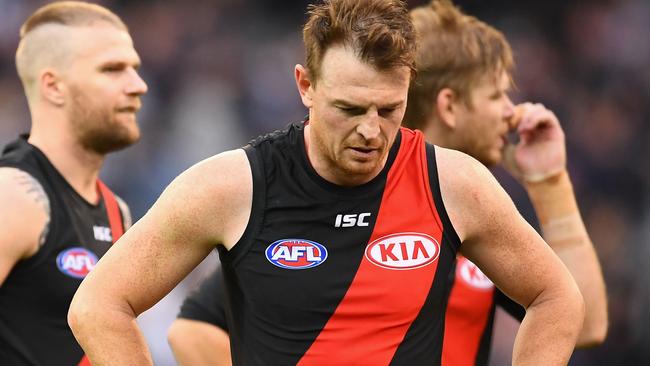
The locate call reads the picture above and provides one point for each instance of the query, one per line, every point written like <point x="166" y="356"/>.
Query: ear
<point x="51" y="87"/>
<point x="446" y="106"/>
<point x="305" y="86"/>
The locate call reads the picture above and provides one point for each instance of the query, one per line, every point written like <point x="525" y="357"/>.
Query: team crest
<point x="76" y="262"/>
<point x="296" y="253"/>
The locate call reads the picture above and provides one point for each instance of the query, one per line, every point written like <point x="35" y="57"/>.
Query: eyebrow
<point x="346" y="103"/>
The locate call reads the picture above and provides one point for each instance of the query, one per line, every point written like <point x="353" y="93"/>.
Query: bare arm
<point x="197" y="343"/>
<point x="515" y="257"/>
<point x="539" y="162"/>
<point x="24" y="218"/>
<point x="209" y="204"/>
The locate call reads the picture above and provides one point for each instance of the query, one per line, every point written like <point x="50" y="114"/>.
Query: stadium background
<point x="220" y="72"/>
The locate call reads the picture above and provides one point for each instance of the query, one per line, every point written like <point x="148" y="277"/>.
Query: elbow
<point x="594" y="332"/>
<point x="174" y="335"/>
<point x="78" y="315"/>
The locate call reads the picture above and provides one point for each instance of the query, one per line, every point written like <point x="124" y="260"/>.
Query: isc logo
<point x="296" y="253"/>
<point x="403" y="251"/>
<point x="76" y="262"/>
<point x="351" y="220"/>
<point x="472" y="275"/>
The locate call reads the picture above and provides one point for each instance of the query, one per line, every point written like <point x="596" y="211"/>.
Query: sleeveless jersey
<point x="470" y="316"/>
<point x="36" y="295"/>
<point x="332" y="275"/>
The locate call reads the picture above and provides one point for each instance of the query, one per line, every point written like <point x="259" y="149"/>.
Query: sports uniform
<point x="206" y="304"/>
<point x="470" y="316"/>
<point x="35" y="297"/>
<point x="326" y="274"/>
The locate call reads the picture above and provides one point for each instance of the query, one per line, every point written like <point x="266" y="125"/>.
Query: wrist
<point x="552" y="197"/>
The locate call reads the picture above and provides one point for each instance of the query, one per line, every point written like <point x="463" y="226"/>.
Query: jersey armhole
<point x="244" y="244"/>
<point x="434" y="183"/>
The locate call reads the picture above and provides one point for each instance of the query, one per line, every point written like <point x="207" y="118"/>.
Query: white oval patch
<point x="403" y="251"/>
<point x="472" y="275"/>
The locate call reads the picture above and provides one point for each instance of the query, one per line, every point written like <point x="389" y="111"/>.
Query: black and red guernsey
<point x="470" y="316"/>
<point x="36" y="295"/>
<point x="332" y="275"/>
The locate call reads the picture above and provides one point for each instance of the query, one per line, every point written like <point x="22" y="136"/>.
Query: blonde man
<point x="460" y="101"/>
<point x="79" y="71"/>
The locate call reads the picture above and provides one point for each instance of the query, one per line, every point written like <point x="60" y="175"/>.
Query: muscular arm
<point x="539" y="162"/>
<point x="24" y="218"/>
<point x="515" y="257"/>
<point x="207" y="205"/>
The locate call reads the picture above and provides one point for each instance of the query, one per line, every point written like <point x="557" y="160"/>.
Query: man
<point x="459" y="101"/>
<point x="334" y="237"/>
<point x="78" y="67"/>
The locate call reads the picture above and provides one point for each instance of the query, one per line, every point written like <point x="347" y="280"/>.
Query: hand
<point x="541" y="151"/>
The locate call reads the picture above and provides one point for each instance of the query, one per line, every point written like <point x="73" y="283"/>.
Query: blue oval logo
<point x="296" y="253"/>
<point x="76" y="262"/>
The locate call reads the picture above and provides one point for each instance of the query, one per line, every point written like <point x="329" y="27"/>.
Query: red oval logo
<point x="472" y="275"/>
<point x="403" y="251"/>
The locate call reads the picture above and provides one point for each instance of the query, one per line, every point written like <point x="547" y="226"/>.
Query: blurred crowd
<point x="220" y="72"/>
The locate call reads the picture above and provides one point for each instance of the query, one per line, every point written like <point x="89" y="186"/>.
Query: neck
<point x="79" y="166"/>
<point x="435" y="132"/>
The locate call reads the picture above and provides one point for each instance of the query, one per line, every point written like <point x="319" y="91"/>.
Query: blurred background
<point x="220" y="72"/>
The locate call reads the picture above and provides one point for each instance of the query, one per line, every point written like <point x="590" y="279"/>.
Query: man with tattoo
<point x="79" y="71"/>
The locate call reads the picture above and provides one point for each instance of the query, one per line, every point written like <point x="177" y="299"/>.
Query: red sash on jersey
<point x="116" y="224"/>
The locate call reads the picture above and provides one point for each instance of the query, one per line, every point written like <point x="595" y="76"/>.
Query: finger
<point x="538" y="116"/>
<point x="518" y="112"/>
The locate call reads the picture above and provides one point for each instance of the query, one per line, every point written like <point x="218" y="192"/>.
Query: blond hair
<point x="455" y="51"/>
<point x="39" y="46"/>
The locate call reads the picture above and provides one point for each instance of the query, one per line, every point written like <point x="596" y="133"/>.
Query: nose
<point x="369" y="127"/>
<point x="509" y="113"/>
<point x="136" y="85"/>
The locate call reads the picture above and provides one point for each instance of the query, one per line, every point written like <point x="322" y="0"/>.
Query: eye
<point x="112" y="68"/>
<point x="352" y="111"/>
<point x="384" y="112"/>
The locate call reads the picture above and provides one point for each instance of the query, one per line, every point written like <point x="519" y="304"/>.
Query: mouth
<point x="364" y="153"/>
<point x="128" y="109"/>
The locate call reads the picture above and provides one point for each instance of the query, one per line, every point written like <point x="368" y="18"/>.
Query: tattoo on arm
<point x="34" y="189"/>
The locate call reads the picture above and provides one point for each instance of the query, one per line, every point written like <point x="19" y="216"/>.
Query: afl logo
<point x="472" y="275"/>
<point x="76" y="262"/>
<point x="296" y="253"/>
<point x="403" y="251"/>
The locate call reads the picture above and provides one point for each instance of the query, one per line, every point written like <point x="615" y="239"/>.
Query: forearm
<point x="564" y="231"/>
<point x="196" y="343"/>
<point x="549" y="330"/>
<point x="108" y="336"/>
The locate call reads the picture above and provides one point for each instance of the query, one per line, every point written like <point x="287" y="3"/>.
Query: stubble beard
<point x="96" y="128"/>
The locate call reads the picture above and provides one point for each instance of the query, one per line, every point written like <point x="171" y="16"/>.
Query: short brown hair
<point x="379" y="31"/>
<point x="70" y="13"/>
<point x="455" y="51"/>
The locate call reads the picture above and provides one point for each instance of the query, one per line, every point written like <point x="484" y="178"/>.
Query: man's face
<point x="104" y="88"/>
<point x="355" y="113"/>
<point x="482" y="126"/>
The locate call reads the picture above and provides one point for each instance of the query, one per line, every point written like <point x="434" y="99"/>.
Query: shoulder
<point x="25" y="220"/>
<point x="212" y="198"/>
<point x="470" y="192"/>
